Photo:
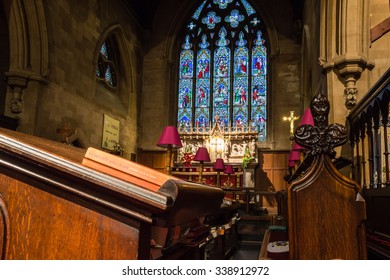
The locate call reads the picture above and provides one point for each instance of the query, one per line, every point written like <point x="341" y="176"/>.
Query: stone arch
<point x="185" y="10"/>
<point x="126" y="86"/>
<point x="172" y="45"/>
<point x="29" y="59"/>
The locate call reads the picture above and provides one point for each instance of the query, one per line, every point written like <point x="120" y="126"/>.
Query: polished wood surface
<point x="224" y="224"/>
<point x="53" y="207"/>
<point x="44" y="226"/>
<point x="325" y="215"/>
<point x="326" y="211"/>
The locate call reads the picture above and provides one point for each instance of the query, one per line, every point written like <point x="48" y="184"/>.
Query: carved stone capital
<point x="350" y="95"/>
<point x="351" y="64"/>
<point x="349" y="68"/>
<point x="18" y="81"/>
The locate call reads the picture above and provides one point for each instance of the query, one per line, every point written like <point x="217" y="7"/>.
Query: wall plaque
<point x="110" y="132"/>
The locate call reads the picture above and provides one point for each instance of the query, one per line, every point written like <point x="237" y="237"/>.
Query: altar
<point x="235" y="145"/>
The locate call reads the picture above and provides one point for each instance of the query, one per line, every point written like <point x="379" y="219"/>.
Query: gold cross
<point x="291" y="119"/>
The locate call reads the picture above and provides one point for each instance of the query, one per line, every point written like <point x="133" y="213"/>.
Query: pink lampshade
<point x="297" y="147"/>
<point x="219" y="165"/>
<point x="291" y="163"/>
<point x="229" y="169"/>
<point x="307" y="118"/>
<point x="293" y="158"/>
<point x="170" y="137"/>
<point x="202" y="155"/>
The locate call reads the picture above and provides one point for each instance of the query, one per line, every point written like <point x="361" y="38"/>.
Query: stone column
<point x="344" y="41"/>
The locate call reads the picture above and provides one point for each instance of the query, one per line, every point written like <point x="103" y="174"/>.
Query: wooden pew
<point x="53" y="207"/>
<point x="326" y="211"/>
<point x="326" y="214"/>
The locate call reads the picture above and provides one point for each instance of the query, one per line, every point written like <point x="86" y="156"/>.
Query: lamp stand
<point x="168" y="160"/>
<point x="218" y="178"/>
<point x="228" y="183"/>
<point x="200" y="171"/>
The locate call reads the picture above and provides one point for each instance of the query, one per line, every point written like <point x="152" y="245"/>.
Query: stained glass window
<point x="106" y="68"/>
<point x="223" y="67"/>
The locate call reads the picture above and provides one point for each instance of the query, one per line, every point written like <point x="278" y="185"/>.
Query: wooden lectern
<point x="53" y="207"/>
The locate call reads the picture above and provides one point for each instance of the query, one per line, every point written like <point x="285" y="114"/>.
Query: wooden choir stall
<point x="369" y="139"/>
<point x="52" y="206"/>
<point x="326" y="211"/>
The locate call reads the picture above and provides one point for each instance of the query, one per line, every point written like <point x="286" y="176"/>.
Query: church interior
<point x="198" y="129"/>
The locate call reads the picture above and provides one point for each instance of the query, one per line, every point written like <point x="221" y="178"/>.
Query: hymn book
<point x="124" y="169"/>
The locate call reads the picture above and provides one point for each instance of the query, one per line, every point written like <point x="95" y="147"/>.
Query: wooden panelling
<point x="325" y="215"/>
<point x="44" y="226"/>
<point x="272" y="169"/>
<point x="153" y="159"/>
<point x="270" y="174"/>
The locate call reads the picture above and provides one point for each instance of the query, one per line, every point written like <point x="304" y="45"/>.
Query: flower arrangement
<point x="187" y="158"/>
<point x="118" y="150"/>
<point x="247" y="158"/>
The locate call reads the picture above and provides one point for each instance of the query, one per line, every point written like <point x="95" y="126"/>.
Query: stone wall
<point x="58" y="65"/>
<point x="379" y="50"/>
<point x="71" y="93"/>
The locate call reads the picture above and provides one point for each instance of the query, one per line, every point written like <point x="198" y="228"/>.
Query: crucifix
<point x="291" y="119"/>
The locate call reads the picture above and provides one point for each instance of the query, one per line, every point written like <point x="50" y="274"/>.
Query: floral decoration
<point x="247" y="158"/>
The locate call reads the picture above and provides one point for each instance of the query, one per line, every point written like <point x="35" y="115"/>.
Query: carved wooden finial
<point x="320" y="138"/>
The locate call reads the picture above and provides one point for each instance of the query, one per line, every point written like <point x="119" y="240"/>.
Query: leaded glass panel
<point x="221" y="100"/>
<point x="106" y="65"/>
<point x="223" y="67"/>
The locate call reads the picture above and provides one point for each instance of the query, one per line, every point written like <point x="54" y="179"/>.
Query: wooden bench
<point x="326" y="211"/>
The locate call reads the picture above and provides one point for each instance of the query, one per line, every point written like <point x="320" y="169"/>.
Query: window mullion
<point x="247" y="62"/>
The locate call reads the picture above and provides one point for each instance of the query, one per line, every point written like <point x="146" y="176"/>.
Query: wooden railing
<point x="248" y="196"/>
<point x="369" y="136"/>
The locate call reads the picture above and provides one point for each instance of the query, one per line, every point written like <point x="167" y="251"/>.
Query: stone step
<point x="250" y="243"/>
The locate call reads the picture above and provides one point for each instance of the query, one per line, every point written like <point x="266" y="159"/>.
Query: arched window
<point x="106" y="70"/>
<point x="223" y="68"/>
<point x="113" y="71"/>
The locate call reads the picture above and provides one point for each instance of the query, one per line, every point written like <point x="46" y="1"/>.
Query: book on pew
<point x="124" y="169"/>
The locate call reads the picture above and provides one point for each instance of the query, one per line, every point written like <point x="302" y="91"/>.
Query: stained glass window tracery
<point x="223" y="67"/>
<point x="106" y="67"/>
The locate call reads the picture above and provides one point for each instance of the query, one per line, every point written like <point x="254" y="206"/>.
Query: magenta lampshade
<point x="219" y="165"/>
<point x="202" y="155"/>
<point x="293" y="158"/>
<point x="297" y="147"/>
<point x="229" y="169"/>
<point x="307" y="118"/>
<point x="170" y="137"/>
<point x="291" y="163"/>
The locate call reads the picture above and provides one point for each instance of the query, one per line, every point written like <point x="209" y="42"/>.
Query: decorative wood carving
<point x="321" y="138"/>
<point x="326" y="212"/>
